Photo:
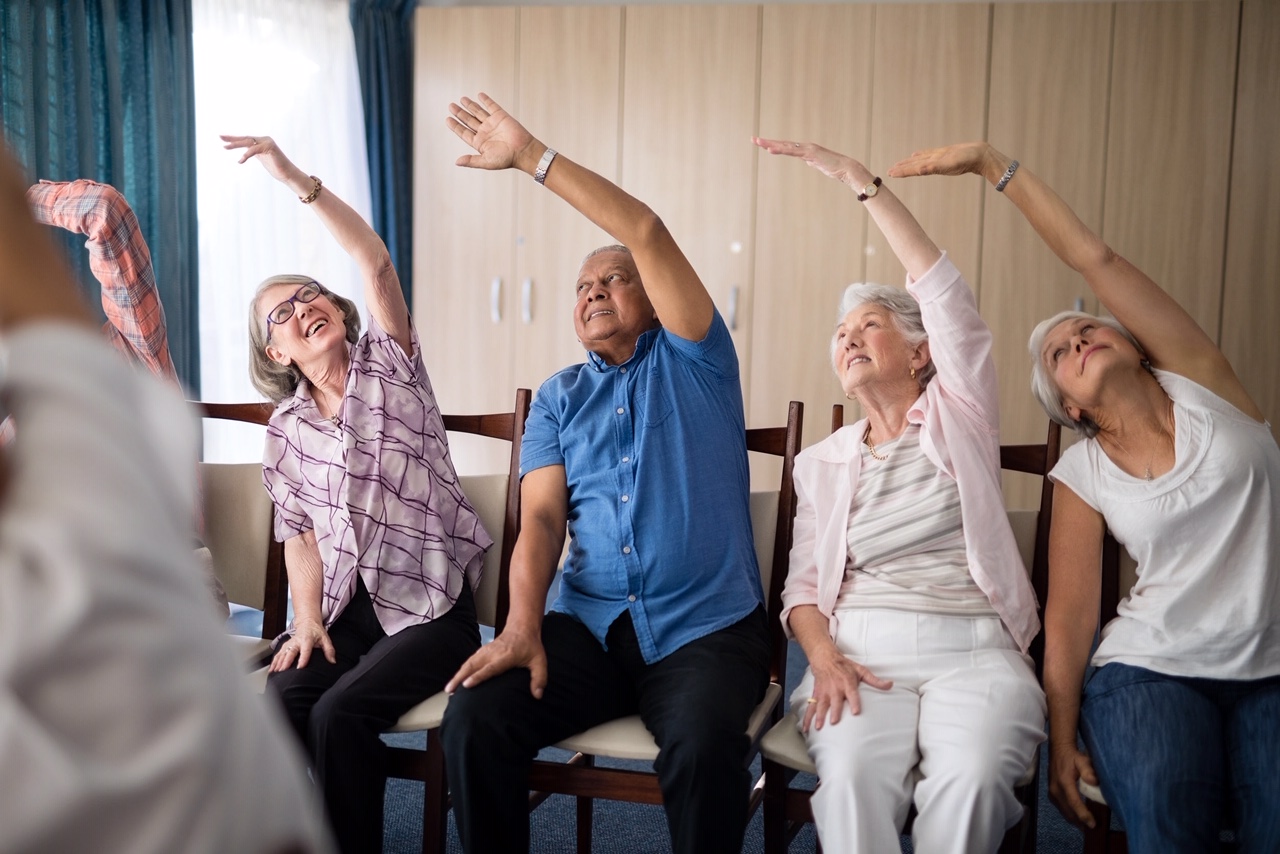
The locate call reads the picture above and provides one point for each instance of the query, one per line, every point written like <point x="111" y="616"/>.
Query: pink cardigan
<point x="960" y="419"/>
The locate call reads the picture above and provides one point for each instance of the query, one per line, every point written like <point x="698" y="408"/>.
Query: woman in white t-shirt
<point x="906" y="589"/>
<point x="1181" y="718"/>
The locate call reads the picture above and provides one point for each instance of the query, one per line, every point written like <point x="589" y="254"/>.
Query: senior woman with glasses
<point x="906" y="588"/>
<point x="381" y="546"/>
<point x="1181" y="717"/>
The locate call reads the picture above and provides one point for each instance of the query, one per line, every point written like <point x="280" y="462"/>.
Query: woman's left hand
<point x="835" y="684"/>
<point x="843" y="168"/>
<point x="264" y="148"/>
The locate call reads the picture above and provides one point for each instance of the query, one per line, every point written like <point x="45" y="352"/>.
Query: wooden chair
<point x="786" y="810"/>
<point x="496" y="498"/>
<point x="239" y="533"/>
<point x="772" y="514"/>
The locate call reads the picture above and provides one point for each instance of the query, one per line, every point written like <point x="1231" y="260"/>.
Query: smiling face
<point x="314" y="329"/>
<point x="871" y="351"/>
<point x="1079" y="353"/>
<point x="612" y="309"/>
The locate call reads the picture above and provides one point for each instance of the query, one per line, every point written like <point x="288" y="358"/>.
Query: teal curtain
<point x="103" y="89"/>
<point x="383" y="32"/>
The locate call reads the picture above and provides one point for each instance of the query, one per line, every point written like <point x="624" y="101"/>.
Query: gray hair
<point x="612" y="247"/>
<point x="1043" y="385"/>
<point x="904" y="311"/>
<point x="274" y="380"/>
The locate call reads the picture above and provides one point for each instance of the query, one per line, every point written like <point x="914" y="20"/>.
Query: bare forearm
<point x="914" y="248"/>
<point x="1067" y="645"/>
<point x="533" y="566"/>
<point x="306" y="576"/>
<point x="812" y="630"/>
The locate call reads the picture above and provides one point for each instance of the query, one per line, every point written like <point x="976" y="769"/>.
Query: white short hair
<point x="903" y="309"/>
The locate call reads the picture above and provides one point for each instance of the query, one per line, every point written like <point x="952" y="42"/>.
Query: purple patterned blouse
<point x="377" y="487"/>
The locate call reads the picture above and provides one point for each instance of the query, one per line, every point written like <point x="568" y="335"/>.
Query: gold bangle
<point x="314" y="194"/>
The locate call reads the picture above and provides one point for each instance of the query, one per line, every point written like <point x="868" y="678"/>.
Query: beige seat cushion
<point x="249" y="648"/>
<point x="426" y="715"/>
<point x="627" y="738"/>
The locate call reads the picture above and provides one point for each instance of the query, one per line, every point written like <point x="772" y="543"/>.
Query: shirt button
<point x="626" y="459"/>
<point x="626" y="550"/>
<point x="623" y="370"/>
<point x="626" y="498"/>
<point x="620" y="410"/>
<point x="631" y="598"/>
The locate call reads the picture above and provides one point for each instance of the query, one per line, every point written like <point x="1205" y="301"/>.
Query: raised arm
<point x="914" y="248"/>
<point x="678" y="295"/>
<point x="544" y="513"/>
<point x="382" y="290"/>
<point x="1169" y="335"/>
<point x="1075" y="581"/>
<point x="120" y="261"/>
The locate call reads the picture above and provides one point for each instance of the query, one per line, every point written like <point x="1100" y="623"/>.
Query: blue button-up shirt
<point x="655" y="457"/>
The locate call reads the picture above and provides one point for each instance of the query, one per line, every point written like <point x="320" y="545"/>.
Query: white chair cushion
<point x="785" y="745"/>
<point x="627" y="738"/>
<point x="249" y="648"/>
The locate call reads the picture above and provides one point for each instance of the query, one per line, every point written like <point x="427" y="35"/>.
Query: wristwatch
<point x="870" y="190"/>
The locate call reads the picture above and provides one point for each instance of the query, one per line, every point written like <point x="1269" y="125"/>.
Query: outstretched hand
<point x="264" y="148"/>
<point x="828" y="162"/>
<point x="497" y="137"/>
<point x="948" y="160"/>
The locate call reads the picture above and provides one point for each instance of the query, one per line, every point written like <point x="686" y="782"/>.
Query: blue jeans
<point x="1180" y="758"/>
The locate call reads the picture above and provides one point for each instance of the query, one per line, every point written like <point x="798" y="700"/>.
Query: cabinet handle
<point x="733" y="308"/>
<point x="1079" y="304"/>
<point x="526" y="301"/>
<point x="495" y="299"/>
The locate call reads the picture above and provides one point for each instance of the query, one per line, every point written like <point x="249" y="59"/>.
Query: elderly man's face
<point x="612" y="308"/>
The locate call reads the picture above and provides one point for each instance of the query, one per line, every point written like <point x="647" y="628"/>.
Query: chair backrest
<point x="773" y="515"/>
<point x="496" y="497"/>
<point x="1030" y="527"/>
<point x="239" y="526"/>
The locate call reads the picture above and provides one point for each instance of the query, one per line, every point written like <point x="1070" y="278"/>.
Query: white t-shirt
<point x="1206" y="538"/>
<point x="125" y="722"/>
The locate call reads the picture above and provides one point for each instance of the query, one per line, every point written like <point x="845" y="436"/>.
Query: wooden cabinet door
<point x="810" y="230"/>
<point x="464" y="224"/>
<point x="570" y="67"/>
<point x="689" y="111"/>
<point x="1251" y="300"/>
<point x="1050" y="65"/>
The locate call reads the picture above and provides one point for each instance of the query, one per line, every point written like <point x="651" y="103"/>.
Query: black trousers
<point x="339" y="710"/>
<point x="695" y="701"/>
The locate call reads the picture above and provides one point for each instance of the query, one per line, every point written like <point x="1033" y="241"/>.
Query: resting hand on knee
<point x="1067" y="766"/>
<point x="307" y="635"/>
<point x="509" y="650"/>
<point x="835" y="683"/>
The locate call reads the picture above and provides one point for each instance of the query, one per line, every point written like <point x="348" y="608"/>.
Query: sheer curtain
<point x="285" y="69"/>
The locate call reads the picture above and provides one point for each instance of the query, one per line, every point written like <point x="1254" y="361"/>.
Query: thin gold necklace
<point x="871" y="446"/>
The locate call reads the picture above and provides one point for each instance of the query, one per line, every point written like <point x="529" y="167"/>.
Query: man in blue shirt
<point x="640" y="453"/>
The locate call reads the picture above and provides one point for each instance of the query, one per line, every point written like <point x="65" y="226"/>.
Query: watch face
<point x="870" y="190"/>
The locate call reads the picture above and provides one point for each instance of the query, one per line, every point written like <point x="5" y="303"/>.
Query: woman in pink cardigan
<point x="906" y="589"/>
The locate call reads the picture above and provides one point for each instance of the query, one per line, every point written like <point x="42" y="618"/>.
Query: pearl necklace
<point x="871" y="446"/>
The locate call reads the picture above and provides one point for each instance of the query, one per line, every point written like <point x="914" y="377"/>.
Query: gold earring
<point x="913" y="372"/>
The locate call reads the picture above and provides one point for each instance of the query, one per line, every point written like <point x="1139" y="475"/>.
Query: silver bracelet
<point x="540" y="174"/>
<point x="1004" y="179"/>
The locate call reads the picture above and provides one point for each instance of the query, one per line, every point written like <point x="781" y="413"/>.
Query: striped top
<point x="905" y="537"/>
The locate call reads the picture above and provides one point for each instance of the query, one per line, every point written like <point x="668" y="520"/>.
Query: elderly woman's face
<point x="1079" y="353"/>
<point x="313" y="328"/>
<point x="870" y="350"/>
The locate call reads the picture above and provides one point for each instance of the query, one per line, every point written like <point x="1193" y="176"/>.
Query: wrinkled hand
<point x="835" y="683"/>
<point x="828" y="162"/>
<point x="948" y="160"/>
<point x="264" y="148"/>
<point x="1067" y="766"/>
<point x="307" y="635"/>
<point x="490" y="130"/>
<point x="508" y="650"/>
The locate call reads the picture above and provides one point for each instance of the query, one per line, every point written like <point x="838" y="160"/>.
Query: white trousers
<point x="957" y="730"/>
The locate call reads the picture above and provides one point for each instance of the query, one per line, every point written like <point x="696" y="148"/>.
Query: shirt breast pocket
<point x="653" y="400"/>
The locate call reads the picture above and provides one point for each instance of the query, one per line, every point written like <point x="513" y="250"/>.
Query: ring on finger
<point x="812" y="700"/>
